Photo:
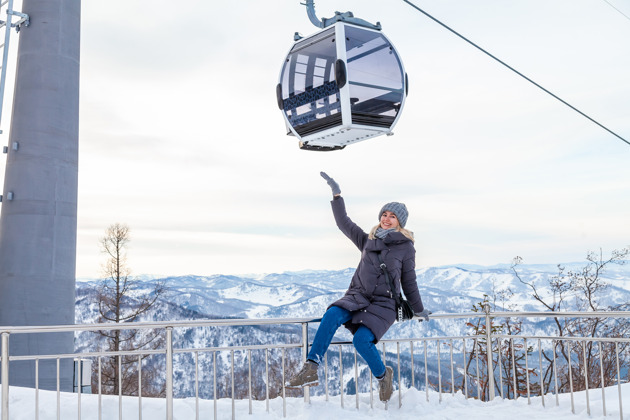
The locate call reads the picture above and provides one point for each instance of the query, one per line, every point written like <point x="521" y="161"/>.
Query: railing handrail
<point x="227" y="322"/>
<point x="562" y="314"/>
<point x="224" y="322"/>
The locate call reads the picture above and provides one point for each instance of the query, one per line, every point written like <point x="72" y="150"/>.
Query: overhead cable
<point x="515" y="71"/>
<point x="622" y="13"/>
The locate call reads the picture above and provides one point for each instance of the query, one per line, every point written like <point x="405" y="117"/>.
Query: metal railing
<point x="503" y="371"/>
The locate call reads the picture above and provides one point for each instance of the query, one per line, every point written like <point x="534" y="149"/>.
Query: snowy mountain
<point x="306" y="294"/>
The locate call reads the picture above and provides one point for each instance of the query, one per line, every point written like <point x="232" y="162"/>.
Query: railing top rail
<point x="153" y="325"/>
<point x="563" y="314"/>
<point x="563" y="338"/>
<point x="288" y="321"/>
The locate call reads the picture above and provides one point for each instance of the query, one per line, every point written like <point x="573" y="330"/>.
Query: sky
<point x="414" y="406"/>
<point x="181" y="138"/>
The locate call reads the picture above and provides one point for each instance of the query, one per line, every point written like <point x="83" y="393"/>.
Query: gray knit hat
<point x="399" y="209"/>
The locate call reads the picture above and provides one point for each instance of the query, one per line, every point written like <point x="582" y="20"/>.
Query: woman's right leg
<point x="363" y="341"/>
<point x="331" y="321"/>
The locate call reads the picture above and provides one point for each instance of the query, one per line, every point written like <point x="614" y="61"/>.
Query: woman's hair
<point x="407" y="233"/>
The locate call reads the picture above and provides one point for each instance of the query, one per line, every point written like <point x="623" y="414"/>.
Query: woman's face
<point x="389" y="220"/>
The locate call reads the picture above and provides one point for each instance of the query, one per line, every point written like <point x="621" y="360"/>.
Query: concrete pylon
<point x="38" y="220"/>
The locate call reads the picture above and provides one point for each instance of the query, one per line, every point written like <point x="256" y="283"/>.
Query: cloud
<point x="181" y="137"/>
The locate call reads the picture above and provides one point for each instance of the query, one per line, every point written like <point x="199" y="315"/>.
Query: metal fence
<point x="479" y="366"/>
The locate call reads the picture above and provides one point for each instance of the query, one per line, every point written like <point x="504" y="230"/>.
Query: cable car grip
<point x="345" y="17"/>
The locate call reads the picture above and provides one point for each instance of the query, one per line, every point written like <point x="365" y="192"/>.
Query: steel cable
<point x="514" y="70"/>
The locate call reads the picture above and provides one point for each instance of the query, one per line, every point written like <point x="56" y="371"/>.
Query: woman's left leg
<point x="364" y="343"/>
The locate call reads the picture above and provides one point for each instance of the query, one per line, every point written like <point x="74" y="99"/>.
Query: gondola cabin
<point x="342" y="85"/>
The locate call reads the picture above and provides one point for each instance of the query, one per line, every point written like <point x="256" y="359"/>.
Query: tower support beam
<point x="38" y="224"/>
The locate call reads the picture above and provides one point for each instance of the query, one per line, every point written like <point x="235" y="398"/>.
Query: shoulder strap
<point x="389" y="279"/>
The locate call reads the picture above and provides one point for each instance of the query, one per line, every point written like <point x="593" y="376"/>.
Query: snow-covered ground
<point x="414" y="406"/>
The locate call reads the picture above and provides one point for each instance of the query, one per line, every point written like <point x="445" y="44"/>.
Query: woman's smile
<point x="389" y="220"/>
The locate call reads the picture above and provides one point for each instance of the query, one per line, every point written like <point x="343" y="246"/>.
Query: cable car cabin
<point x="340" y="86"/>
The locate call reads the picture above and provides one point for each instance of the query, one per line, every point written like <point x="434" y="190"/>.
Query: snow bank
<point x="414" y="406"/>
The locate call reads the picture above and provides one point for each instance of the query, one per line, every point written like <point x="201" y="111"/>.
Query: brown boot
<point x="385" y="385"/>
<point x="307" y="376"/>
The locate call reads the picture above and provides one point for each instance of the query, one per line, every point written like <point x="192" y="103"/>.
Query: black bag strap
<point x="389" y="279"/>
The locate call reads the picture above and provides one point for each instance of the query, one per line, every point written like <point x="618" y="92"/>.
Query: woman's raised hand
<point x="332" y="183"/>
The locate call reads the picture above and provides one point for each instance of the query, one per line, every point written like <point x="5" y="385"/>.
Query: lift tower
<point x="38" y="220"/>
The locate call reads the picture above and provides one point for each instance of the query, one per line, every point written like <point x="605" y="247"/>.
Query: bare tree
<point x="119" y="302"/>
<point x="512" y="360"/>
<point x="582" y="290"/>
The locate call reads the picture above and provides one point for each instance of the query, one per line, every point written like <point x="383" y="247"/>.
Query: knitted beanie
<point x="399" y="209"/>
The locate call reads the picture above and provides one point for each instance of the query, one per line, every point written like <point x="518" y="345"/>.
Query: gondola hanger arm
<point x="345" y="17"/>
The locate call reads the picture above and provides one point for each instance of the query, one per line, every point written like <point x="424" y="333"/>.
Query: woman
<point x="368" y="307"/>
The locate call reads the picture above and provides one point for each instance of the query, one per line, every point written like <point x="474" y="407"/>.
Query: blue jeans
<point x="363" y="340"/>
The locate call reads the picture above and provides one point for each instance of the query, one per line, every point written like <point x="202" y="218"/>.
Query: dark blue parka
<point x="369" y="296"/>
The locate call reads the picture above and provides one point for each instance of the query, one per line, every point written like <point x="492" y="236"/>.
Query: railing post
<point x="79" y="382"/>
<point x="489" y="357"/>
<point x="5" y="375"/>
<point x="618" y="381"/>
<point x="169" y="373"/>
<point x="307" y="390"/>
